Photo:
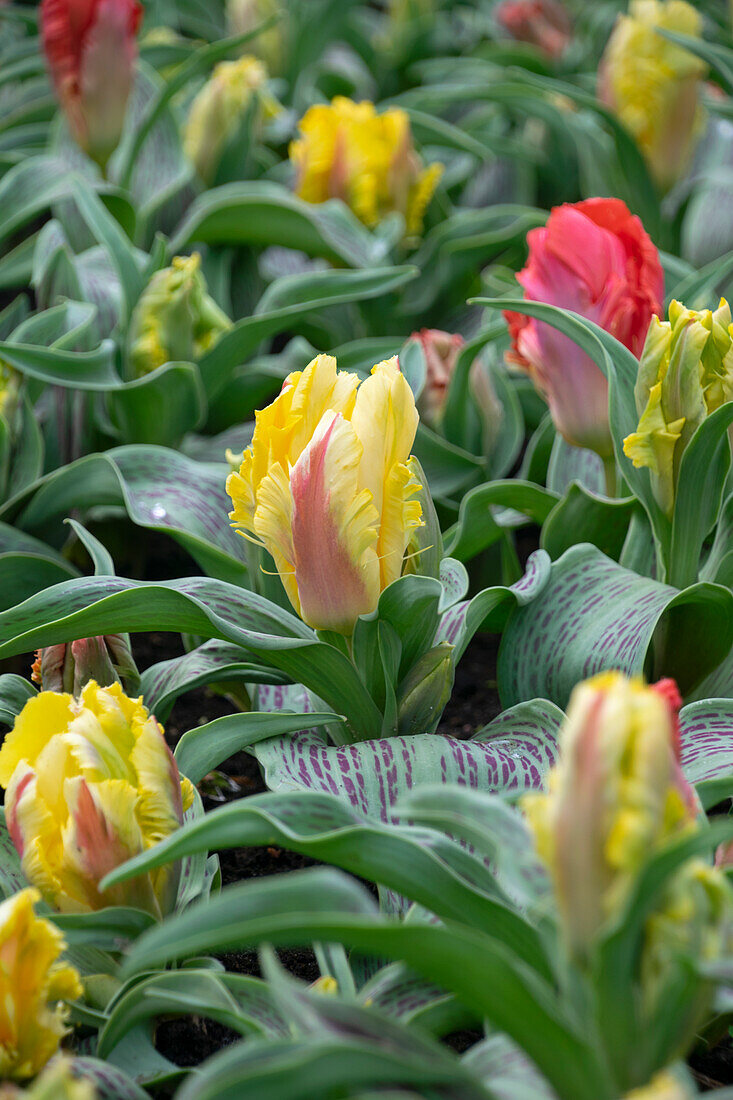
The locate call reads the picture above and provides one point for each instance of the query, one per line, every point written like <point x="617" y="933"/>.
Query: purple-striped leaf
<point x="594" y="615"/>
<point x="569" y="464"/>
<point x="512" y="753"/>
<point x="161" y="491"/>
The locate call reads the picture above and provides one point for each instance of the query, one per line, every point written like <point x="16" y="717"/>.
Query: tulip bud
<point x="615" y="796"/>
<point x="685" y="372"/>
<point x="33" y="986"/>
<point x="347" y="151"/>
<point x="175" y="319"/>
<point x="327" y="489"/>
<point x="543" y="23"/>
<point x="244" y="15"/>
<point x="70" y="666"/>
<point x="653" y="85"/>
<point x="425" y="691"/>
<point x="90" y="784"/>
<point x="441" y="351"/>
<point x="218" y="110"/>
<point x="91" y="51"/>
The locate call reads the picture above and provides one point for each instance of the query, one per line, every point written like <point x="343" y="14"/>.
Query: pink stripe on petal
<point x="333" y="585"/>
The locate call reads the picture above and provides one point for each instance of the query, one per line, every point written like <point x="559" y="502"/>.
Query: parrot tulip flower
<point x="592" y="257"/>
<point x="91" y="783"/>
<point x="686" y="372"/>
<point x="327" y="487"/>
<point x="33" y="986"/>
<point x="91" y="50"/>
<point x="347" y="151"/>
<point x="616" y="794"/>
<point x="653" y="85"/>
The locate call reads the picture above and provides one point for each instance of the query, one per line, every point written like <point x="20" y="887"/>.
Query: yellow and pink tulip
<point x="90" y="782"/>
<point x="328" y="489"/>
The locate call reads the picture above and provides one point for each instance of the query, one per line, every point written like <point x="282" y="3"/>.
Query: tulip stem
<point x="609" y="470"/>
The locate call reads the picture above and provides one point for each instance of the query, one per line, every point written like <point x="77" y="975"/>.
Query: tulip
<point x="244" y="16"/>
<point x="219" y="108"/>
<point x="328" y="489"/>
<point x="592" y="257"/>
<point x="615" y="796"/>
<point x="653" y="85"/>
<point x="441" y="351"/>
<point x="91" y="50"/>
<point x="347" y="151"/>
<point x="542" y="23"/>
<point x="91" y="783"/>
<point x="33" y="986"/>
<point x="686" y="372"/>
<point x="70" y="666"/>
<point x="175" y="319"/>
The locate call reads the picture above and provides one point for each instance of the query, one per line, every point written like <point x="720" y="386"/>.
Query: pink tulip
<point x="91" y="51"/>
<point x="595" y="258"/>
<point x="542" y="23"/>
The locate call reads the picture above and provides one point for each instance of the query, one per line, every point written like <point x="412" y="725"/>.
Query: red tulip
<point x="91" y="51"/>
<point x="595" y="258"/>
<point x="543" y="23"/>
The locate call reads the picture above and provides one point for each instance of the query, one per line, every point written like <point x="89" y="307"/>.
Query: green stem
<point x="609" y="470"/>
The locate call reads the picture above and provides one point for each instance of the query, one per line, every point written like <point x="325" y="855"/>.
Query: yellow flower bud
<point x="616" y="794"/>
<point x="234" y="88"/>
<point x="326" y="486"/>
<point x="664" y="1086"/>
<point x="348" y="151"/>
<point x="33" y="986"/>
<point x="685" y="372"/>
<point x="244" y="15"/>
<point x="175" y="319"/>
<point x="91" y="783"/>
<point x="652" y="84"/>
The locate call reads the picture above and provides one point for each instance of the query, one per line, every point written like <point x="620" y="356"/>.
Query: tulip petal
<point x="334" y="533"/>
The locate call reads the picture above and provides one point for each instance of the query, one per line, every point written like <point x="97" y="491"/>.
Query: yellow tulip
<point x="91" y="783"/>
<point x="616" y="794"/>
<point x="685" y="372"/>
<point x="175" y="319"/>
<point x="348" y="151"/>
<point x="220" y="107"/>
<point x="665" y="1086"/>
<point x="327" y="487"/>
<point x="33" y="985"/>
<point x="652" y="84"/>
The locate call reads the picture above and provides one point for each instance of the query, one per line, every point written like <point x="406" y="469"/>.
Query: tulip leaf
<point x="160" y="490"/>
<point x="301" y="295"/>
<point x="703" y="470"/>
<point x="478" y="968"/>
<point x="160" y="407"/>
<point x="594" y="615"/>
<point x="718" y="57"/>
<point x="585" y="516"/>
<point x="261" y="213"/>
<point x="210" y="608"/>
<point x="706" y="747"/>
<point x="450" y="470"/>
<point x="210" y="663"/>
<point x="512" y="753"/>
<point x="569" y="464"/>
<point x="204" y="748"/>
<point x="109" y="1081"/>
<point x="15" y="691"/>
<point x="81" y="370"/>
<point x="477" y="527"/>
